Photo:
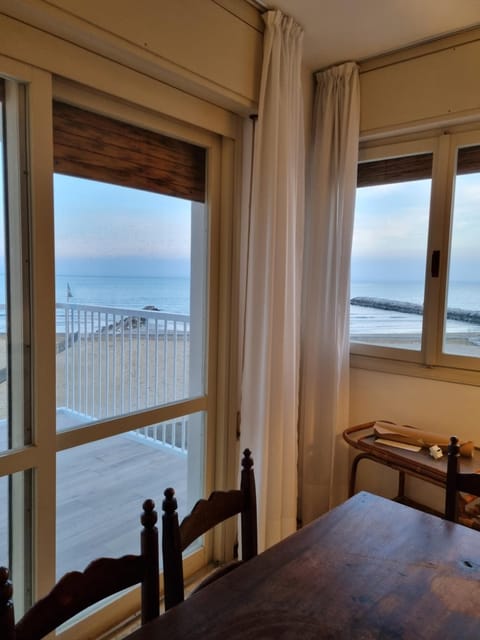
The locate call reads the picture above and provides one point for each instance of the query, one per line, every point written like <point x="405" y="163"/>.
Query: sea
<point x="172" y="295"/>
<point x="168" y="294"/>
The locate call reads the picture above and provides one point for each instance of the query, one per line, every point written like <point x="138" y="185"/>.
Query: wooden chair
<point x="457" y="481"/>
<point x="206" y="514"/>
<point x="7" y="625"/>
<point x="78" y="590"/>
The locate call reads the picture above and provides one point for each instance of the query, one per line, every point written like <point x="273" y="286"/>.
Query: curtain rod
<point x="259" y="4"/>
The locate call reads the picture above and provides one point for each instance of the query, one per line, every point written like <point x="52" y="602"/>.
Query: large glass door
<point x="131" y="232"/>
<point x="109" y="304"/>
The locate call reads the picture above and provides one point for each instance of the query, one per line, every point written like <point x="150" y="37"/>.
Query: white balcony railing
<point x="114" y="361"/>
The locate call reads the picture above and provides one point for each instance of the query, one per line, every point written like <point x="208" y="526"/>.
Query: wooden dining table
<point x="370" y="568"/>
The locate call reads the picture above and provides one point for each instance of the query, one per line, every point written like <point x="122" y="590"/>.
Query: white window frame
<point x="429" y="361"/>
<point x="220" y="343"/>
<point x="23" y="200"/>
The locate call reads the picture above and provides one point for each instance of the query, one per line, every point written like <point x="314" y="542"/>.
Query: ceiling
<point x="341" y="30"/>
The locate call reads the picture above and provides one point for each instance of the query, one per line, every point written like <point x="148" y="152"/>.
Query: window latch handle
<point x="435" y="265"/>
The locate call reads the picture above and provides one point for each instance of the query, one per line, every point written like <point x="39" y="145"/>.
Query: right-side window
<point x="415" y="268"/>
<point x="389" y="250"/>
<point x="462" y="327"/>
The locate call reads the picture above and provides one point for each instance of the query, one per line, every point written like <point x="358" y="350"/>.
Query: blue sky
<point x="102" y="229"/>
<point x="390" y="232"/>
<point x="391" y="226"/>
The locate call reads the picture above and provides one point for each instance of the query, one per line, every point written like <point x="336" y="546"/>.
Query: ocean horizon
<point x="167" y="294"/>
<point x="172" y="295"/>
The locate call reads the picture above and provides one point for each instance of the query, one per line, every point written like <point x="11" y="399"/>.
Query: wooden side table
<point x="417" y="464"/>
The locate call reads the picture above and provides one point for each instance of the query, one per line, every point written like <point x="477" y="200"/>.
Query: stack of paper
<point x="417" y="437"/>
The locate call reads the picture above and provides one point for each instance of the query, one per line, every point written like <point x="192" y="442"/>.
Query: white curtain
<point x="324" y="409"/>
<point x="270" y="378"/>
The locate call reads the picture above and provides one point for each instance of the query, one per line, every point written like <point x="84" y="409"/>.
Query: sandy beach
<point x="104" y="376"/>
<point x="108" y="375"/>
<point x="463" y="344"/>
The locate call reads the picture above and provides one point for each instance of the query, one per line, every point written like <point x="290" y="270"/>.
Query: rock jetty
<point x="464" y="315"/>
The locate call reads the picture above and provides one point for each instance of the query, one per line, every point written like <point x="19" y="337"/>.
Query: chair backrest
<point x="457" y="481"/>
<point x="206" y="514"/>
<point x="7" y="624"/>
<point x="78" y="590"/>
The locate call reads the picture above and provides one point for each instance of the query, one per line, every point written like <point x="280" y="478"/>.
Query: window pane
<point x="4" y="523"/>
<point x="101" y="487"/>
<point x="129" y="334"/>
<point x="388" y="261"/>
<point x="4" y="436"/>
<point x="15" y="535"/>
<point x="15" y="413"/>
<point x="15" y="428"/>
<point x="462" y="329"/>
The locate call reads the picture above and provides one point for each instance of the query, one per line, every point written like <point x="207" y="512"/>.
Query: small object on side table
<point x="435" y="452"/>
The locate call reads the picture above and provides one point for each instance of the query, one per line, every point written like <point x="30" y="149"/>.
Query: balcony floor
<point x="100" y="490"/>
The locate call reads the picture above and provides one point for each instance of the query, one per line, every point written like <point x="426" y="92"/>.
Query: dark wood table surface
<point x="371" y="568"/>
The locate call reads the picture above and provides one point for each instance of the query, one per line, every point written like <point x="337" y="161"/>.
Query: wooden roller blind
<point x="468" y="160"/>
<point x="403" y="169"/>
<point x="88" y="145"/>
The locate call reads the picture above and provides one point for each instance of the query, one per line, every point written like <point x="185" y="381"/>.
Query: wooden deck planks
<point x="100" y="490"/>
<point x="101" y="487"/>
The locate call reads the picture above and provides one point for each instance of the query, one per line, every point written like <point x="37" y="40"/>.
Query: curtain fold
<point x="271" y="353"/>
<point x="324" y="396"/>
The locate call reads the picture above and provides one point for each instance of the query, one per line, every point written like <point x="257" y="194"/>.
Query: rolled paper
<point x="424" y="439"/>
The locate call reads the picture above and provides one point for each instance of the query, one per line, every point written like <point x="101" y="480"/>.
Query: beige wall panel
<point x="448" y="408"/>
<point x="200" y="36"/>
<point x="33" y="46"/>
<point x="437" y="87"/>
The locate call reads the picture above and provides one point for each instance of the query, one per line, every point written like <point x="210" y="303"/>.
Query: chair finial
<point x="453" y="447"/>
<point x="7" y="617"/>
<point x="169" y="504"/>
<point x="6" y="589"/>
<point x="247" y="460"/>
<point x="149" y="516"/>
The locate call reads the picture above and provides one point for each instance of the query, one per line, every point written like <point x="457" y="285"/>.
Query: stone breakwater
<point x="463" y="315"/>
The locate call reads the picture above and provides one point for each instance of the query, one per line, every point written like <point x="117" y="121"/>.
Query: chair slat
<point x="220" y="506"/>
<point x="206" y="514"/>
